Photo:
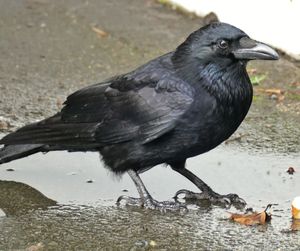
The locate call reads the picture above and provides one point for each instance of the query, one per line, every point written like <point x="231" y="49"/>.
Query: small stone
<point x="4" y="125"/>
<point x="152" y="243"/>
<point x="71" y="173"/>
<point x="2" y="214"/>
<point x="38" y="247"/>
<point x="141" y="243"/>
<point x="290" y="170"/>
<point x="274" y="97"/>
<point x="10" y="169"/>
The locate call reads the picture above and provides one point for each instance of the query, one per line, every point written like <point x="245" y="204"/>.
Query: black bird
<point x="176" y="106"/>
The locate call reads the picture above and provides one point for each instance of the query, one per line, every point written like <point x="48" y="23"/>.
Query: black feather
<point x="176" y="106"/>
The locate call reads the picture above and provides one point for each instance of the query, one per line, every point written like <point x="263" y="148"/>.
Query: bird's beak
<point x="249" y="49"/>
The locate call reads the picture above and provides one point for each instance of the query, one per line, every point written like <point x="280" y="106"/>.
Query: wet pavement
<point x="66" y="201"/>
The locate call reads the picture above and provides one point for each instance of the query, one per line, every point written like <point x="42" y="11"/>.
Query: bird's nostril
<point x="246" y="42"/>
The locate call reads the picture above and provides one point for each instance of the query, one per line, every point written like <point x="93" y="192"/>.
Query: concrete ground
<point x="50" y="49"/>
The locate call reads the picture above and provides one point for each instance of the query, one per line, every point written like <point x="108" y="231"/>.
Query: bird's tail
<point x="51" y="134"/>
<point x="13" y="152"/>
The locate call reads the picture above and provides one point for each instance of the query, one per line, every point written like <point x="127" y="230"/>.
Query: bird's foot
<point x="214" y="198"/>
<point x="150" y="203"/>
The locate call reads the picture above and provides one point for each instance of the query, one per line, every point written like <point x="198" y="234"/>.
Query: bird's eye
<point x="223" y="44"/>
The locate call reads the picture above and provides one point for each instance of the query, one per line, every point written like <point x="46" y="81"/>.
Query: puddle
<point x="87" y="218"/>
<point x="66" y="201"/>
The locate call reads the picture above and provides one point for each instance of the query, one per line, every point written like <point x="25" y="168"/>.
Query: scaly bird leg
<point x="146" y="199"/>
<point x="207" y="193"/>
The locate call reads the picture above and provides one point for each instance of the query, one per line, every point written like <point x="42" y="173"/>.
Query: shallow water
<point x="86" y="217"/>
<point x="66" y="201"/>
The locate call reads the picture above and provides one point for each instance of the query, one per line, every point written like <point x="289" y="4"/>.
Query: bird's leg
<point x="206" y="192"/>
<point x="146" y="199"/>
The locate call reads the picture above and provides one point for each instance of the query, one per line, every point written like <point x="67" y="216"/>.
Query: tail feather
<point x="48" y="135"/>
<point x="13" y="152"/>
<point x="53" y="131"/>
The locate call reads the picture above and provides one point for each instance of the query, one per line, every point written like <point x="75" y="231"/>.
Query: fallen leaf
<point x="270" y="91"/>
<point x="251" y="219"/>
<point x="280" y="98"/>
<point x="210" y="18"/>
<point x="99" y="32"/>
<point x="295" y="225"/>
<point x="274" y="91"/>
<point x="295" y="84"/>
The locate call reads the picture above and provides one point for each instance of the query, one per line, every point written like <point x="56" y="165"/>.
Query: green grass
<point x="257" y="79"/>
<point x="293" y="96"/>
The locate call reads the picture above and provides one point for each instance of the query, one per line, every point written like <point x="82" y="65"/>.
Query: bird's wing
<point x="140" y="106"/>
<point x="130" y="109"/>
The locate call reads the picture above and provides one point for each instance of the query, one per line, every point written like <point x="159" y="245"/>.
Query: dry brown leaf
<point x="99" y="32"/>
<point x="274" y="91"/>
<point x="280" y="98"/>
<point x="252" y="218"/>
<point x="295" y="84"/>
<point x="295" y="225"/>
<point x="276" y="94"/>
<point x="270" y="91"/>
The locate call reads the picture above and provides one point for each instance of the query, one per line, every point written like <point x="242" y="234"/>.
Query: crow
<point x="176" y="106"/>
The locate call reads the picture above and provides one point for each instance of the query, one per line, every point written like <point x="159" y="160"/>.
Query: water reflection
<point x="18" y="198"/>
<point x="86" y="217"/>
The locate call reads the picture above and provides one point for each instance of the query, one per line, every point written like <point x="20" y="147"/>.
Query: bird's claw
<point x="236" y="200"/>
<point x="214" y="198"/>
<point x="150" y="203"/>
<point x="129" y="201"/>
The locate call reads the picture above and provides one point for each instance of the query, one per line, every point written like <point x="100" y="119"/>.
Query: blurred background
<point x="275" y="22"/>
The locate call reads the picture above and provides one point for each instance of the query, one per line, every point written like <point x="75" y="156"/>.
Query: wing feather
<point x="139" y="106"/>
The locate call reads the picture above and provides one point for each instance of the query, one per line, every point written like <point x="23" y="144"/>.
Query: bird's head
<point x="221" y="44"/>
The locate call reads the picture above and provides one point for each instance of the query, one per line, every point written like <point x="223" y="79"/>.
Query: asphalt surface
<point x="48" y="50"/>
